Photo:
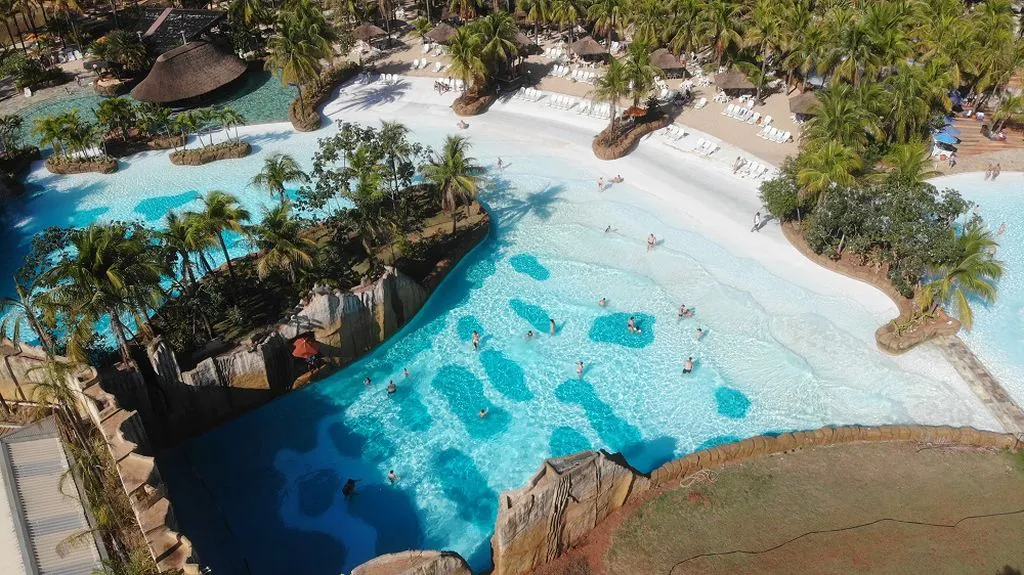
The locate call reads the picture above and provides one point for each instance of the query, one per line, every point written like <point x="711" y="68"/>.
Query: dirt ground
<point x="862" y="508"/>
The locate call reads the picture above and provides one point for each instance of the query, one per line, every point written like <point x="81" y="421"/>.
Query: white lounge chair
<point x="701" y="103"/>
<point x="711" y="149"/>
<point x="767" y="120"/>
<point x="727" y="110"/>
<point x="754" y="118"/>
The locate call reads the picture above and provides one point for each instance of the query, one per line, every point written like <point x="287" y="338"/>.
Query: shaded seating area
<point x="734" y="83"/>
<point x="669" y="63"/>
<point x="588" y="48"/>
<point x="441" y="34"/>
<point x="804" y="106"/>
<point x="188" y="72"/>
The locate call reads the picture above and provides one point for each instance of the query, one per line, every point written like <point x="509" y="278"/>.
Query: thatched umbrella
<point x="188" y="71"/>
<point x="523" y="40"/>
<point x="733" y="81"/>
<point x="442" y="33"/>
<point x="805" y="104"/>
<point x="367" y="32"/>
<point x="666" y="61"/>
<point x="587" y="47"/>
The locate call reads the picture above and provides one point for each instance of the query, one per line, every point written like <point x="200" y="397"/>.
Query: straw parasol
<point x="666" y="61"/>
<point x="188" y="71"/>
<point x="635" y="112"/>
<point x="733" y="80"/>
<point x="367" y="32"/>
<point x="805" y="104"/>
<point x="523" y="40"/>
<point x="442" y="33"/>
<point x="587" y="47"/>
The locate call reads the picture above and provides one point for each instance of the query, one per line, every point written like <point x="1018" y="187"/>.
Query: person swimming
<point x="529" y="334"/>
<point x="349" y="489"/>
<point x="551" y="328"/>
<point x="632" y="326"/>
<point x="392" y="388"/>
<point x="483" y="413"/>
<point x="476" y="339"/>
<point x="391" y="476"/>
<point x="684" y="311"/>
<point x="462" y="125"/>
<point x="602" y="302"/>
<point x="698" y="334"/>
<point x="617" y="179"/>
<point x="688" y="365"/>
<point x="579" y="369"/>
<point x="405" y="372"/>
<point x="367" y="382"/>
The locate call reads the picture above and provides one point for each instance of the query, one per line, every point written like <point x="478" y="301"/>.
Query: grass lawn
<point x="763" y="505"/>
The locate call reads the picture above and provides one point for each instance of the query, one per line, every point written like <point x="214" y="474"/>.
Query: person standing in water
<point x="579" y="369"/>
<point x="551" y="328"/>
<point x="501" y="164"/>
<point x="688" y="366"/>
<point x="652" y="240"/>
<point x="392" y="477"/>
<point x="405" y="372"/>
<point x="476" y="340"/>
<point x="757" y="222"/>
<point x="698" y="334"/>
<point x="600" y="184"/>
<point x="602" y="302"/>
<point x="392" y="388"/>
<point x="367" y="382"/>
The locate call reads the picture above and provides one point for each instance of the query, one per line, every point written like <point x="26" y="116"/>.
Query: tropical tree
<point x="612" y="87"/>
<point x="10" y="133"/>
<point x="1011" y="109"/>
<point x="229" y="118"/>
<point x="639" y="72"/>
<point x="110" y="271"/>
<point x="764" y="33"/>
<point x="828" y="165"/>
<point x="117" y="115"/>
<point x="607" y="16"/>
<point x="465" y="55"/>
<point x="23" y="310"/>
<point x="496" y="35"/>
<point x="537" y="12"/>
<point x="973" y="275"/>
<point x="454" y="174"/>
<point x="910" y="162"/>
<point x="843" y="118"/>
<point x="295" y="53"/>
<point x="153" y="119"/>
<point x="466" y="9"/>
<point x="179" y="238"/>
<point x="722" y="26"/>
<point x="280" y="243"/>
<point x="221" y="214"/>
<point x="278" y="170"/>
<point x="684" y="31"/>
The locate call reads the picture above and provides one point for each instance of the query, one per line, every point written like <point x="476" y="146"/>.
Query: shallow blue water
<point x="262" y="494"/>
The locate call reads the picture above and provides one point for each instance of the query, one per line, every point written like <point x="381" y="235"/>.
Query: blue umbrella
<point x="951" y="130"/>
<point x="948" y="120"/>
<point x="945" y="138"/>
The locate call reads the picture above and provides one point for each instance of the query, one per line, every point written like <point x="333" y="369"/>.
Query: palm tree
<point x="278" y="170"/>
<point x="607" y="16"/>
<point x="464" y="52"/>
<point x="973" y="274"/>
<point x="536" y="12"/>
<point x="683" y="32"/>
<point x="466" y="9"/>
<point x="763" y="32"/>
<point x="497" y="38"/>
<point x="177" y="237"/>
<point x="910" y="162"/>
<point x="110" y="271"/>
<point x="222" y="213"/>
<point x="229" y="118"/>
<point x="639" y="71"/>
<point x="913" y="98"/>
<point x="153" y="119"/>
<point x="454" y="175"/>
<point x="612" y="87"/>
<point x="184" y="123"/>
<point x="566" y="13"/>
<point x="843" y="118"/>
<point x="50" y="130"/>
<point x="825" y="166"/>
<point x="117" y="114"/>
<point x="647" y="18"/>
<point x="281" y="244"/>
<point x="1011" y="109"/>
<point x="23" y="309"/>
<point x="293" y="57"/>
<point x="722" y="25"/>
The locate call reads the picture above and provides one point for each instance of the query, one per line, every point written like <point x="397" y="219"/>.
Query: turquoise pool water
<point x="998" y="334"/>
<point x="260" y="98"/>
<point x="262" y="494"/>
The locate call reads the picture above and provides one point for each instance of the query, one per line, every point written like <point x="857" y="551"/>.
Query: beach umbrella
<point x="635" y="112"/>
<point x="945" y="138"/>
<point x="666" y="61"/>
<point x="951" y="130"/>
<point x="733" y="80"/>
<point x="367" y="32"/>
<point x="805" y="104"/>
<point x="305" y="348"/>
<point x="189" y="71"/>
<point x="442" y="33"/>
<point x="523" y="40"/>
<point x="587" y="47"/>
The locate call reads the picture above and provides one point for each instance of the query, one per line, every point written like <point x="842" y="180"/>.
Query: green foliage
<point x="781" y="196"/>
<point x="11" y="133"/>
<point x="117" y="116"/>
<point x="28" y="72"/>
<point x="69" y="135"/>
<point x="124" y="50"/>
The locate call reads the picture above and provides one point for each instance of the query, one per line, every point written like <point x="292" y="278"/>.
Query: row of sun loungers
<point x="528" y="94"/>
<point x="596" y="110"/>
<point x="674" y="132"/>
<point x="561" y="102"/>
<point x="454" y="84"/>
<point x="706" y="147"/>
<point x="775" y="135"/>
<point x="753" y="170"/>
<point x="389" y="78"/>
<point x="555" y="53"/>
<point x="419" y="64"/>
<point x="743" y="114"/>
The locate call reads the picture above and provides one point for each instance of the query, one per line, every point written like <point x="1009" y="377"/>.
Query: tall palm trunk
<point x="764" y="64"/>
<point x="227" y="257"/>
<point x="122" y="340"/>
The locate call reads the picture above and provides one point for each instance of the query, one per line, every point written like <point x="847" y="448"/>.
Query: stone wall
<point x="415" y="563"/>
<point x="570" y="495"/>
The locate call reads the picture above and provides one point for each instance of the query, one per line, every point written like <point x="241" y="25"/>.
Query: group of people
<point x="618" y="179"/>
<point x="992" y="171"/>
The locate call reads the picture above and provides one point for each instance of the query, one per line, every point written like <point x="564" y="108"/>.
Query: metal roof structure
<point x="163" y="29"/>
<point x="32" y="463"/>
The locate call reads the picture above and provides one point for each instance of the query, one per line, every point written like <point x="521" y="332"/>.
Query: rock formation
<point x="559" y="507"/>
<point x="605" y="150"/>
<point x="207" y="154"/>
<point x="60" y="165"/>
<point x="415" y="563"/>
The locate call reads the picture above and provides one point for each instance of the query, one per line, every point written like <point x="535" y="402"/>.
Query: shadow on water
<point x="376" y="94"/>
<point x="510" y="207"/>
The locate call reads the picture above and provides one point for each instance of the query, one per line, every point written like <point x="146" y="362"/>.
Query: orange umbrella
<point x="305" y="348"/>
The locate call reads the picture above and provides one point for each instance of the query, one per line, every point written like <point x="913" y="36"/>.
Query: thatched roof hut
<point x="734" y="81"/>
<point x="188" y="71"/>
<point x="805" y="104"/>
<point x="587" y="47"/>
<point x="667" y="62"/>
<point x="367" y="32"/>
<point x="442" y="33"/>
<point x="523" y="40"/>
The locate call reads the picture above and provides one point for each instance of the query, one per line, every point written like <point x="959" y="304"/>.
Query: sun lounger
<point x="727" y="110"/>
<point x="786" y="137"/>
<point x="700" y="103"/>
<point x="754" y="118"/>
<point x="711" y="149"/>
<point x="438" y="66"/>
<point x="767" y="120"/>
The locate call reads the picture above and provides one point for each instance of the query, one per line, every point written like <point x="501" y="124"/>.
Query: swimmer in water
<point x="476" y="340"/>
<point x="579" y="369"/>
<point x="483" y="413"/>
<point x="405" y="372"/>
<point x="392" y="388"/>
<point x="652" y="240"/>
<point x="367" y="382"/>
<point x="698" y="334"/>
<point x="391" y="476"/>
<point x="529" y="334"/>
<point x="688" y="365"/>
<point x="603" y="302"/>
<point x="551" y="328"/>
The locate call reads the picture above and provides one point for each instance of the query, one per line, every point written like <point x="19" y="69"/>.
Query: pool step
<point x="983" y="383"/>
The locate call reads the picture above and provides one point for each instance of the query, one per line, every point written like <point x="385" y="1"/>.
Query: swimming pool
<point x="262" y="493"/>
<point x="998" y="334"/>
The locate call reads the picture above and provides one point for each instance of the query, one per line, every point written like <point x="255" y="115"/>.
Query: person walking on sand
<point x="757" y="222"/>
<point x="579" y="369"/>
<point x="501" y="164"/>
<point x="600" y="184"/>
<point x="652" y="240"/>
<point x="476" y="340"/>
<point x="551" y="328"/>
